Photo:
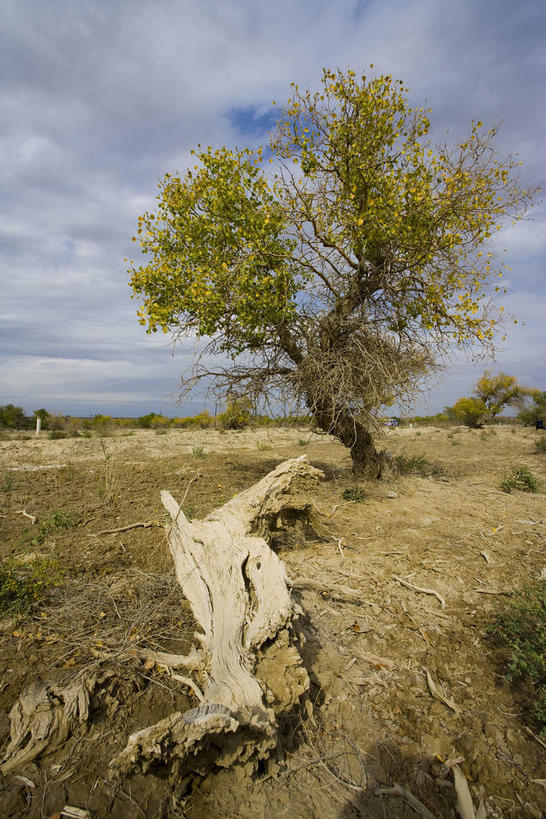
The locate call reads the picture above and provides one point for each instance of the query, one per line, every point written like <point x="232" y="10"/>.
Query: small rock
<point x="392" y="494"/>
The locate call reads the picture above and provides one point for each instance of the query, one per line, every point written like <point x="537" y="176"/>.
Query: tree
<point x="340" y="279"/>
<point x="469" y="411"/>
<point x="44" y="417"/>
<point x="533" y="410"/>
<point x="497" y="391"/>
<point x="12" y="416"/>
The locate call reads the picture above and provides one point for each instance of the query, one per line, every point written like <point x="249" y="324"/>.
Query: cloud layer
<point x="99" y="99"/>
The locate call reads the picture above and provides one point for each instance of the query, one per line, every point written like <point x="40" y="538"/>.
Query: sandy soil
<point x="370" y="639"/>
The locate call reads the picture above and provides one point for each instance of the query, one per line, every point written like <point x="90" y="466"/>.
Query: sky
<point x="100" y="98"/>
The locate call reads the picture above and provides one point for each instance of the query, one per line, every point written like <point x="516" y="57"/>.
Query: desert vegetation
<point x="422" y="624"/>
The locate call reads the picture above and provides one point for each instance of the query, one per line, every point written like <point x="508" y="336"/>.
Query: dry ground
<point x="370" y="639"/>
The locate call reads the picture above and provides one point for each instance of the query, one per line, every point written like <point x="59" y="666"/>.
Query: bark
<point x="367" y="461"/>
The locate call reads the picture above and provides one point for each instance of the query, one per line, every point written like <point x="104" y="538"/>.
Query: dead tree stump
<point x="245" y="669"/>
<point x="247" y="664"/>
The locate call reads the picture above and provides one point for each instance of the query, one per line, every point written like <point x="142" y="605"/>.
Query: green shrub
<point x="354" y="493"/>
<point x="301" y="442"/>
<point x="519" y="629"/>
<point x="55" y="434"/>
<point x="160" y="431"/>
<point x="262" y="446"/>
<point x="522" y="479"/>
<point x="416" y="465"/>
<point x="23" y="586"/>
<point x="199" y="452"/>
<point x="541" y="444"/>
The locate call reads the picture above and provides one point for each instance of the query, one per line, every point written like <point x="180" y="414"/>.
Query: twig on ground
<point x="422" y="590"/>
<point x="145" y="525"/>
<point x="538" y="739"/>
<point x="25" y="514"/>
<point x="405" y="794"/>
<point x="493" y="591"/>
<point x="438" y="694"/>
<point x="465" y="806"/>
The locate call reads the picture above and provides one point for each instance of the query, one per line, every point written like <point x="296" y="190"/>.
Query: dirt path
<point x="373" y="641"/>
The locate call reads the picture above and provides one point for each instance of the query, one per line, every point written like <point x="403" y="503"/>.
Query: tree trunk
<point x="367" y="461"/>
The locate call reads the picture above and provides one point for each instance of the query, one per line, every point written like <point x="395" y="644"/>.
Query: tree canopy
<point x="339" y="273"/>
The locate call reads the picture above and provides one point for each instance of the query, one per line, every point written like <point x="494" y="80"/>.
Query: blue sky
<point x="99" y="98"/>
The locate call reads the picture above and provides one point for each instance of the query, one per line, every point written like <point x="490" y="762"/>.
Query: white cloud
<point x="98" y="100"/>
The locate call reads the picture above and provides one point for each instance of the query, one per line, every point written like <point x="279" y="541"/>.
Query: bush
<point x="56" y="434"/>
<point x="12" y="417"/>
<point x="199" y="452"/>
<point x="353" y="493"/>
<point x="23" y="586"/>
<point x="522" y="479"/>
<point x="238" y="414"/>
<point x="519" y="629"/>
<point x="416" y="465"/>
<point x="541" y="444"/>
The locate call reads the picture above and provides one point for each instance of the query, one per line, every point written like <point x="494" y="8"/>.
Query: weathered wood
<point x="246" y="666"/>
<point x="238" y="591"/>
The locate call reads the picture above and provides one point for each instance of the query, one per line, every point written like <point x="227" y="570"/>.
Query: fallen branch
<point x="422" y="590"/>
<point x="438" y="694"/>
<point x="238" y="591"/>
<point x="340" y="590"/>
<point x="25" y="514"/>
<point x="538" y="739"/>
<point x="464" y="805"/>
<point x="146" y="525"/>
<point x="405" y="794"/>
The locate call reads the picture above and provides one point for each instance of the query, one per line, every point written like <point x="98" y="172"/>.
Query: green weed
<point x="189" y="510"/>
<point x="519" y="629"/>
<point x="540" y="444"/>
<point x="262" y="446"/>
<point x="353" y="493"/>
<point x="199" y="452"/>
<point x="7" y="482"/>
<point x="522" y="479"/>
<point x="23" y="586"/>
<point x="416" y="465"/>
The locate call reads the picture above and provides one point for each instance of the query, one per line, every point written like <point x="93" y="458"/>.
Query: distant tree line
<point x="491" y="395"/>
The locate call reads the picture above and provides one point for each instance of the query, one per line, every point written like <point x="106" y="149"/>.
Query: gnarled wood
<point x="246" y="667"/>
<point x="238" y="591"/>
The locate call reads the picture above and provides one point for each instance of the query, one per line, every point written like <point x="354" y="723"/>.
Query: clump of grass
<point x="519" y="629"/>
<point x="262" y="446"/>
<point x="199" y="452"/>
<point x="301" y="442"/>
<point x="522" y="479"/>
<point x="24" y="586"/>
<point x="55" y="434"/>
<point x="7" y="482"/>
<point x="161" y="432"/>
<point x="540" y="444"/>
<point x="450" y="435"/>
<point x="59" y="519"/>
<point x="416" y="465"/>
<point x="189" y="510"/>
<point x="353" y="493"/>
